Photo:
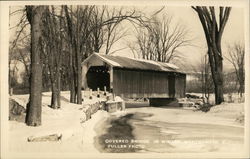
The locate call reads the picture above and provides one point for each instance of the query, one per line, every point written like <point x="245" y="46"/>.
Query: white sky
<point x="234" y="31"/>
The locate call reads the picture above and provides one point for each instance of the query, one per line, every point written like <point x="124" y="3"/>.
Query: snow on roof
<point x="131" y="63"/>
<point x="111" y="62"/>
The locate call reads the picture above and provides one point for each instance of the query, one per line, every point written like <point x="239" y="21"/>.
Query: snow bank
<point x="68" y="121"/>
<point x="229" y="110"/>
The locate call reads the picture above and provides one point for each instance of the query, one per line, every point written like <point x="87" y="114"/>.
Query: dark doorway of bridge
<point x="171" y="86"/>
<point x="98" y="77"/>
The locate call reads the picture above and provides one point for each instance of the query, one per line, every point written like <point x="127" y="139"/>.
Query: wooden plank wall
<point x="145" y="84"/>
<point x="139" y="84"/>
<point x="180" y="85"/>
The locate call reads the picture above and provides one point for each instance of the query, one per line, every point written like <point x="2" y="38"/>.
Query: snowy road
<point x="164" y="129"/>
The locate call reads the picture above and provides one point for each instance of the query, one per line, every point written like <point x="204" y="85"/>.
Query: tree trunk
<point x="218" y="90"/>
<point x="54" y="49"/>
<point x="78" y="67"/>
<point x="241" y="79"/>
<point x="72" y="94"/>
<point x="213" y="33"/>
<point x="59" y="89"/>
<point x="216" y="66"/>
<point x="33" y="115"/>
<point x="219" y="84"/>
<point x="72" y="55"/>
<point x="72" y="89"/>
<point x="55" y="99"/>
<point x="72" y="77"/>
<point x="207" y="85"/>
<point x="241" y="88"/>
<point x="79" y="82"/>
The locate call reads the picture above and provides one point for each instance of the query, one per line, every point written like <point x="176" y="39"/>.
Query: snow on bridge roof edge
<point x="132" y="63"/>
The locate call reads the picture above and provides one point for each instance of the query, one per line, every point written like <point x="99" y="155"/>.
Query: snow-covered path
<point x="175" y="130"/>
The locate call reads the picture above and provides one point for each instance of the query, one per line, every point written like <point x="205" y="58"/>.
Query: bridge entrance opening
<point x="98" y="77"/>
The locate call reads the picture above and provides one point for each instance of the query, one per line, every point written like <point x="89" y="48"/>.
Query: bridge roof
<point x="131" y="63"/>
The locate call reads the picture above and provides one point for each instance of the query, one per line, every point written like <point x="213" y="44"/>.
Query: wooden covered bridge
<point x="134" y="78"/>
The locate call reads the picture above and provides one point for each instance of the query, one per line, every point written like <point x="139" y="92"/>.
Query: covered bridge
<point x="133" y="78"/>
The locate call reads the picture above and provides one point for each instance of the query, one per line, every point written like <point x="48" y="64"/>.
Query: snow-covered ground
<point x="78" y="136"/>
<point x="180" y="130"/>
<point x="68" y="121"/>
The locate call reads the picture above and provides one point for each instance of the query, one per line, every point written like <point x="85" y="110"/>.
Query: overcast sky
<point x="234" y="31"/>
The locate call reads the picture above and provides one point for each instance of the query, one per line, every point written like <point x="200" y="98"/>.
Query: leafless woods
<point x="52" y="42"/>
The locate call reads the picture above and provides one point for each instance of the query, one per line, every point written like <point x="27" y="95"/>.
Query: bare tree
<point x="146" y="45"/>
<point x="20" y="27"/>
<point x="53" y="49"/>
<point x="159" y="39"/>
<point x="72" y="52"/>
<point x="236" y="58"/>
<point x="34" y="107"/>
<point x="25" y="59"/>
<point x="12" y="71"/>
<point x="21" y="55"/>
<point x="206" y="78"/>
<point x="19" y="46"/>
<point x="97" y="35"/>
<point x="105" y="27"/>
<point x="132" y="47"/>
<point x="213" y="33"/>
<point x="78" y="33"/>
<point x="80" y="29"/>
<point x="113" y="34"/>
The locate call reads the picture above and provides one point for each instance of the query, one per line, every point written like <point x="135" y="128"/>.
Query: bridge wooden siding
<point x="132" y="78"/>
